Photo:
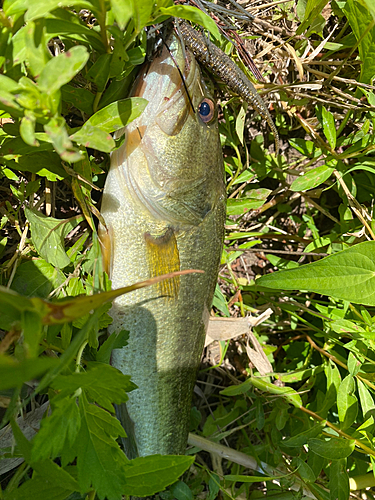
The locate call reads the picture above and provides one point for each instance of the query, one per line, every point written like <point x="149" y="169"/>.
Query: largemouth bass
<point x="164" y="209"/>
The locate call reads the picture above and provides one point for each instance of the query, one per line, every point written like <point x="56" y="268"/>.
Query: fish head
<point x="171" y="160"/>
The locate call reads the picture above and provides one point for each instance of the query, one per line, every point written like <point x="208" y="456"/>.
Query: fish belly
<point x="166" y="323"/>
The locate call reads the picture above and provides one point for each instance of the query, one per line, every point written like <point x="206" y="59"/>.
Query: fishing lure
<point x="222" y="66"/>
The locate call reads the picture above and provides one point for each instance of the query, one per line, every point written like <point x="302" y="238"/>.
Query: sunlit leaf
<point x="14" y="373"/>
<point x="347" y="403"/>
<point x="362" y="24"/>
<point x="147" y="475"/>
<point x="61" y="69"/>
<point x="329" y="128"/>
<point x="332" y="448"/>
<point x="312" y="178"/>
<point x="117" y="115"/>
<point x="123" y="11"/>
<point x="192" y="14"/>
<point x="348" y="275"/>
<point x="48" y="236"/>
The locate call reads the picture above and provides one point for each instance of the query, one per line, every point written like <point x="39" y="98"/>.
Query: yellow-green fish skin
<point x="164" y="208"/>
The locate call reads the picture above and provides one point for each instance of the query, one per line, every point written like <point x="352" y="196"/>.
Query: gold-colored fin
<point x="104" y="235"/>
<point x="163" y="257"/>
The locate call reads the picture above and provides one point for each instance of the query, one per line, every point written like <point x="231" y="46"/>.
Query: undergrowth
<point x="292" y="400"/>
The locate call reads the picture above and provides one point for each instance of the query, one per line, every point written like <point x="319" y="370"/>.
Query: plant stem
<point x="79" y="356"/>
<point x="357" y="442"/>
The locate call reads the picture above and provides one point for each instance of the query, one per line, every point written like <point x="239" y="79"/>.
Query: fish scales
<point x="164" y="209"/>
<point x="222" y="66"/>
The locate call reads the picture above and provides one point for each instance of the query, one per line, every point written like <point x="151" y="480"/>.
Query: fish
<point x="221" y="65"/>
<point x="164" y="205"/>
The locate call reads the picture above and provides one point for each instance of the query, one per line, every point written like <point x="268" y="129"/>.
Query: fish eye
<point x="206" y="110"/>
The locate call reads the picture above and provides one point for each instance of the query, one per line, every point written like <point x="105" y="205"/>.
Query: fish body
<point x="164" y="209"/>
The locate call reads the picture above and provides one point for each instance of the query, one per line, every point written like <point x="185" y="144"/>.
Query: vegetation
<point x="293" y="400"/>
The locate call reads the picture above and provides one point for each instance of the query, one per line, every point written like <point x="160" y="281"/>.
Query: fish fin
<point x="163" y="258"/>
<point x="105" y="240"/>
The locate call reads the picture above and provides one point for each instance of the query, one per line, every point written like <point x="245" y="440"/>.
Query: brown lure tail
<point x="222" y="66"/>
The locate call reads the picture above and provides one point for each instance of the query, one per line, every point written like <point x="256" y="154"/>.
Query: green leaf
<point x="82" y="99"/>
<point x="312" y="11"/>
<point x="27" y="128"/>
<point x="46" y="164"/>
<point x="37" y="53"/>
<point x="70" y="352"/>
<point x="37" y="278"/>
<point x="94" y="137"/>
<point x="243" y="205"/>
<point x="16" y="147"/>
<point x="192" y="14"/>
<point x="347" y="275"/>
<point x="123" y="11"/>
<point x="362" y="24"/>
<point x="312" y="178"/>
<point x="11" y="304"/>
<point x="104" y="385"/>
<point x="333" y="383"/>
<point x="21" y="440"/>
<point x="288" y="393"/>
<point x="329" y="128"/>
<point x="181" y="491"/>
<point x="117" y="115"/>
<point x="213" y="486"/>
<point x="62" y="68"/>
<point x="300" y="439"/>
<point x="99" y="71"/>
<point x="8" y="102"/>
<point x="347" y="403"/>
<point x="15" y="373"/>
<point x="63" y="311"/>
<point x="371" y="7"/>
<point x="307" y="148"/>
<point x="114" y="341"/>
<point x="66" y="24"/>
<point x="235" y="390"/>
<point x="338" y="481"/>
<point x="220" y="302"/>
<point x="354" y="365"/>
<point x="332" y="448"/>
<point x="31" y="322"/>
<point x="101" y="463"/>
<point x="366" y="400"/>
<point x="49" y="481"/>
<point x="57" y="430"/>
<point x="56" y="131"/>
<point x="304" y="470"/>
<point x="38" y="9"/>
<point x="48" y="236"/>
<point x="148" y="475"/>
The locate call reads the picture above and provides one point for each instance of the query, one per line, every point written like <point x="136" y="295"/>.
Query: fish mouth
<point x="169" y="83"/>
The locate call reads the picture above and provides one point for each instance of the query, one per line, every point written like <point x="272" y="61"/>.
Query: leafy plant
<point x="294" y="401"/>
<point x="64" y="76"/>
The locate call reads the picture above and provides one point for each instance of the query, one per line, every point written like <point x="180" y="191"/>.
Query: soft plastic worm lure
<point x="222" y="66"/>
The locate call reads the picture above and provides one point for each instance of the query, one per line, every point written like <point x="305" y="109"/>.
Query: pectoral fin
<point x="163" y="257"/>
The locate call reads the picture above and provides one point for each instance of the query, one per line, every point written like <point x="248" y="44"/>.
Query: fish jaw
<point x="181" y="191"/>
<point x="164" y="208"/>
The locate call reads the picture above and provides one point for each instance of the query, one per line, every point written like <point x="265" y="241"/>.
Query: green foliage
<point x="347" y="275"/>
<point x="63" y="91"/>
<point x="309" y="423"/>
